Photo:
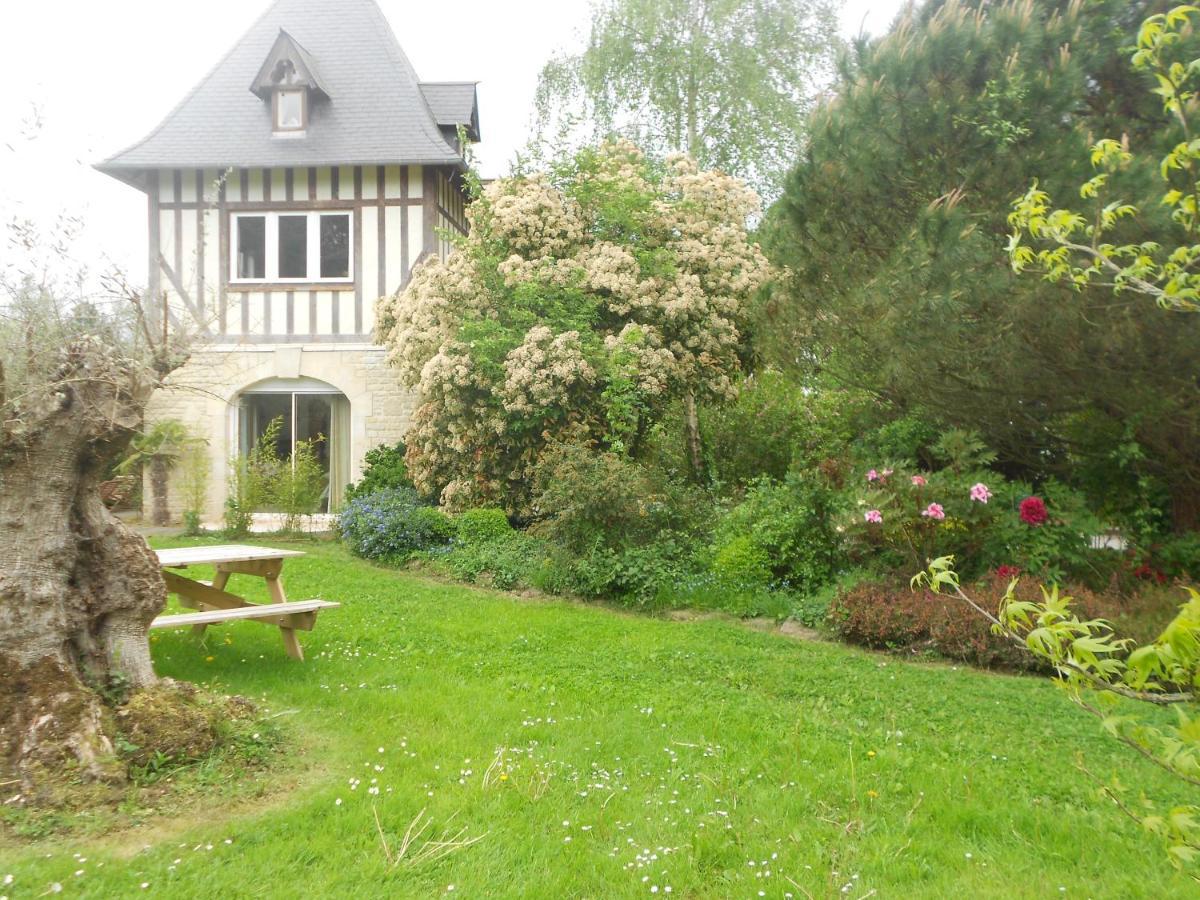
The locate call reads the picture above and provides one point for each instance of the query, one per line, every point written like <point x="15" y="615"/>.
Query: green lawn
<point x="629" y="757"/>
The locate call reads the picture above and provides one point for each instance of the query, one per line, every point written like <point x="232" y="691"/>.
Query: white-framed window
<point x="301" y="246"/>
<point x="290" y="110"/>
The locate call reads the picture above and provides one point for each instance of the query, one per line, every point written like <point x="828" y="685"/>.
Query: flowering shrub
<point x="964" y="509"/>
<point x="1033" y="511"/>
<point x="582" y="303"/>
<point x="391" y="525"/>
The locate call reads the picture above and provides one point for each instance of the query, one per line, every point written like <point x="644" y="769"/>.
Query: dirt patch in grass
<point x="181" y="748"/>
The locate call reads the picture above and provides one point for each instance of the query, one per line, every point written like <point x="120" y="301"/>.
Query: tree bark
<point x="78" y="589"/>
<point x="158" y="488"/>
<point x="1185" y="508"/>
<point x="691" y="429"/>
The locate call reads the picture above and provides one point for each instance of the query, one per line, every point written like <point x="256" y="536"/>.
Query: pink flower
<point x="934" y="511"/>
<point x="872" y="475"/>
<point x="919" y="480"/>
<point x="874" y="516"/>
<point x="886" y="473"/>
<point x="980" y="493"/>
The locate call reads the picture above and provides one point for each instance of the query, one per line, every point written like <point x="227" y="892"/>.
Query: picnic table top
<point x="223" y="553"/>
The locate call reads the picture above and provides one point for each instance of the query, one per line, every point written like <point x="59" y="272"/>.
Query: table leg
<point x="219" y="581"/>
<point x="275" y="588"/>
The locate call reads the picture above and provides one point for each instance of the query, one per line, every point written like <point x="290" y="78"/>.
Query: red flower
<point x="1008" y="572"/>
<point x="1033" y="511"/>
<point x="1148" y="572"/>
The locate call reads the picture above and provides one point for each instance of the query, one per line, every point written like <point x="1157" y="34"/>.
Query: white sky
<point x="86" y="78"/>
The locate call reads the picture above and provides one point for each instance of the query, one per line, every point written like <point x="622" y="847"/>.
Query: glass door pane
<point x="314" y="415"/>
<point x="258" y="411"/>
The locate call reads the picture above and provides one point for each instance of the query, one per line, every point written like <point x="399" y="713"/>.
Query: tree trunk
<point x="78" y="589"/>
<point x="158" y="489"/>
<point x="1185" y="508"/>
<point x="691" y="430"/>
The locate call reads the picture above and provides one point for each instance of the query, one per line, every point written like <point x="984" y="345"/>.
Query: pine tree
<point x="894" y="227"/>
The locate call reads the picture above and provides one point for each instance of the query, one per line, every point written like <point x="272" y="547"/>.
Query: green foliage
<point x="639" y="575"/>
<point x="193" y="485"/>
<point x="904" y="518"/>
<point x="1080" y="250"/>
<point x="478" y="526"/>
<point x="506" y="561"/>
<point x="589" y="499"/>
<point x="1102" y="672"/>
<point x="383" y="467"/>
<point x="727" y="82"/>
<point x="300" y="486"/>
<point x="890" y="226"/>
<point x="715" y="592"/>
<point x="1176" y="556"/>
<point x="262" y="480"/>
<point x="166" y="441"/>
<point x="775" y="422"/>
<point x="785" y="530"/>
<point x="743" y="560"/>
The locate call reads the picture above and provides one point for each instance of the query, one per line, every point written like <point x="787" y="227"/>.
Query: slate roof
<point x="287" y="47"/>
<point x="376" y="113"/>
<point x="453" y="103"/>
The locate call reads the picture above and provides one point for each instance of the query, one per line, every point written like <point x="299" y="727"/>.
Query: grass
<point x="451" y="736"/>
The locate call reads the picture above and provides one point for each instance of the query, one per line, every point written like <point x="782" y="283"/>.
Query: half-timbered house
<point x="303" y="178"/>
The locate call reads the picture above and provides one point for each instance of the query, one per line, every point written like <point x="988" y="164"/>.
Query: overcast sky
<point x="86" y="78"/>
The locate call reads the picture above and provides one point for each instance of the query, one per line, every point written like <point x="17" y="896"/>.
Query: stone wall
<point x="203" y="395"/>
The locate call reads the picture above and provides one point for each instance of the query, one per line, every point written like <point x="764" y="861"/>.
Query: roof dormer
<point x="288" y="80"/>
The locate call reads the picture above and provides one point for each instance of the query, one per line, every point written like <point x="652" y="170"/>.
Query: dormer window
<point x="291" y="107"/>
<point x="288" y="81"/>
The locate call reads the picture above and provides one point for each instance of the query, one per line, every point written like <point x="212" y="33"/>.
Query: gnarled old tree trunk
<point x="78" y="589"/>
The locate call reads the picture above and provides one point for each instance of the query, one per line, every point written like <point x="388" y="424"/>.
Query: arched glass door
<point x="309" y="410"/>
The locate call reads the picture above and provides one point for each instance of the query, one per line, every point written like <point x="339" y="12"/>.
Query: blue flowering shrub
<point x="391" y="525"/>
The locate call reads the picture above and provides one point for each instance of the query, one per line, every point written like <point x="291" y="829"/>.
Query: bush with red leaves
<point x="889" y="615"/>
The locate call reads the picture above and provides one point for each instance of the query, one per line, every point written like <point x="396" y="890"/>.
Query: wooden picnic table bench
<point x="216" y="605"/>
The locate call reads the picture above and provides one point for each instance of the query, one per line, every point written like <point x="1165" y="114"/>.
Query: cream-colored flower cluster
<point x="670" y="288"/>
<point x="533" y="218"/>
<point x="542" y="372"/>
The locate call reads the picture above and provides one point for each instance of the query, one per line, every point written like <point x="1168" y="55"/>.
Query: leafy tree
<point x="1102" y="673"/>
<point x="892" y="225"/>
<point x="1079" y="250"/>
<point x="583" y="303"/>
<point x="726" y="81"/>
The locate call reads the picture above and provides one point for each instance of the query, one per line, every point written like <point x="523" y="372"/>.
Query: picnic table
<point x="215" y="605"/>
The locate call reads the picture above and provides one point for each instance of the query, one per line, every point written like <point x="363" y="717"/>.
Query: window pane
<point x="251" y="247"/>
<point x="293" y="246"/>
<point x="335" y="246"/>
<point x="289" y="109"/>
